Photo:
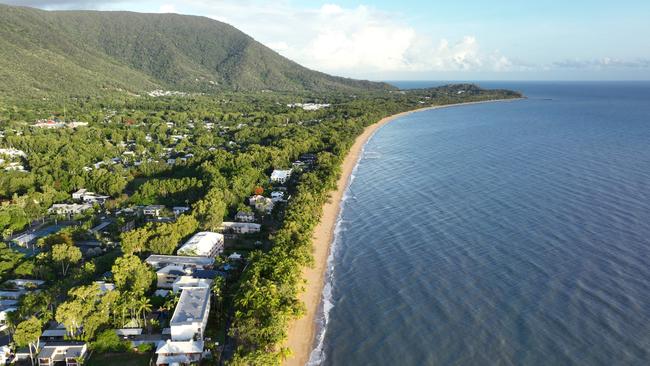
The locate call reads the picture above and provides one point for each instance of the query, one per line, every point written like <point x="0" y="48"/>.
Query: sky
<point x="432" y="40"/>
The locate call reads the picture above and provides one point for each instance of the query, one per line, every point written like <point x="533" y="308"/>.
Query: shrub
<point x="108" y="341"/>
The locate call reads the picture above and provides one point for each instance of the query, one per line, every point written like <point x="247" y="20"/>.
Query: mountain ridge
<point x="75" y="51"/>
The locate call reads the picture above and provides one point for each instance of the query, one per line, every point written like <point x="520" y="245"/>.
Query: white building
<point x="185" y="282"/>
<point x="5" y="353"/>
<point x="68" y="352"/>
<point x="204" y="243"/>
<point x="261" y="203"/>
<point x="4" y="312"/>
<point x="240" y="227"/>
<point x="280" y="176"/>
<point x="69" y="208"/>
<point x="15" y="166"/>
<point x="243" y="216"/>
<point x="179" y="353"/>
<point x="24" y="284"/>
<point x="152" y="210"/>
<point x="277" y="196"/>
<point x="91" y="197"/>
<point x="104" y="286"/>
<point x="78" y="195"/>
<point x="167" y="276"/>
<point x="186" y="327"/>
<point x="158" y="261"/>
<point x="13" y="152"/>
<point x="191" y="315"/>
<point x="178" y="210"/>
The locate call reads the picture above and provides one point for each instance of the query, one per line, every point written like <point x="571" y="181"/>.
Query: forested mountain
<point x="87" y="52"/>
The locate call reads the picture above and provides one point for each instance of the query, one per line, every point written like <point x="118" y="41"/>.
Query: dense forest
<point x="44" y="53"/>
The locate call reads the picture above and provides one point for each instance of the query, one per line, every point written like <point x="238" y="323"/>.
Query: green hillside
<point x="89" y="52"/>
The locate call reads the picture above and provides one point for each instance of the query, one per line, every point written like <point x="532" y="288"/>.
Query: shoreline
<point x="303" y="331"/>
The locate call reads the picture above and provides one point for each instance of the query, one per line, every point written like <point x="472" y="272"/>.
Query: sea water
<point x="498" y="234"/>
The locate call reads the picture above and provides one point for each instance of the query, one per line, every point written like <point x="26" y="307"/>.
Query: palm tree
<point x="144" y="307"/>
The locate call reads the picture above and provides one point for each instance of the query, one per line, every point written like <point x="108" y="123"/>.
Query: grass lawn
<point x="121" y="359"/>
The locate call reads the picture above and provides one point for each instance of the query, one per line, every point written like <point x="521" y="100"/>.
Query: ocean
<point x="498" y="234"/>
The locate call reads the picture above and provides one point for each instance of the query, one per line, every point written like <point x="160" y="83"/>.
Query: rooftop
<point x="201" y="243"/>
<point x="157" y="259"/>
<point x="191" y="306"/>
<point x="180" y="347"/>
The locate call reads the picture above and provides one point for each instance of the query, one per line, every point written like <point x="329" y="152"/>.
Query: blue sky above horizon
<point x="433" y="40"/>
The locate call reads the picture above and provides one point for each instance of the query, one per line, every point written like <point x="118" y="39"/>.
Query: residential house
<point x="15" y="167"/>
<point x="23" y="284"/>
<point x="277" y="196"/>
<point x="179" y="352"/>
<point x="179" y="210"/>
<point x="243" y="216"/>
<point x="167" y="276"/>
<point x="72" y="353"/>
<point x="280" y="176"/>
<point x="4" y="312"/>
<point x="5" y="354"/>
<point x="128" y="333"/>
<point x="78" y="195"/>
<point x="90" y="197"/>
<point x="235" y="257"/>
<point x="13" y="152"/>
<point x="102" y="225"/>
<point x="261" y="203"/>
<point x="240" y="227"/>
<point x="104" y="286"/>
<point x="55" y="334"/>
<point x="204" y="244"/>
<point x="152" y="210"/>
<point x="158" y="261"/>
<point x="69" y="208"/>
<point x="12" y="294"/>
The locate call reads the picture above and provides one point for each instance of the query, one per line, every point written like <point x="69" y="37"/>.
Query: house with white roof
<point x="72" y="353"/>
<point x="69" y="208"/>
<point x="280" y="176"/>
<point x="261" y="203"/>
<point x="23" y="284"/>
<point x="167" y="276"/>
<point x="4" y="312"/>
<point x="191" y="314"/>
<point x="90" y="197"/>
<point x="243" y="216"/>
<point x="204" y="243"/>
<point x="185" y="282"/>
<point x="78" y="195"/>
<point x="13" y="152"/>
<point x="179" y="352"/>
<point x="240" y="227"/>
<point x="104" y="286"/>
<point x="152" y="210"/>
<point x="5" y="354"/>
<point x="178" y="210"/>
<point x="277" y="196"/>
<point x="158" y="261"/>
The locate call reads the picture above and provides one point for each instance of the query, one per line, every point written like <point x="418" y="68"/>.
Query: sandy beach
<point x="302" y="331"/>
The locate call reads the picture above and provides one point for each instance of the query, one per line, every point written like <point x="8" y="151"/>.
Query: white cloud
<point x="603" y="63"/>
<point x="167" y="8"/>
<point x="352" y="40"/>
